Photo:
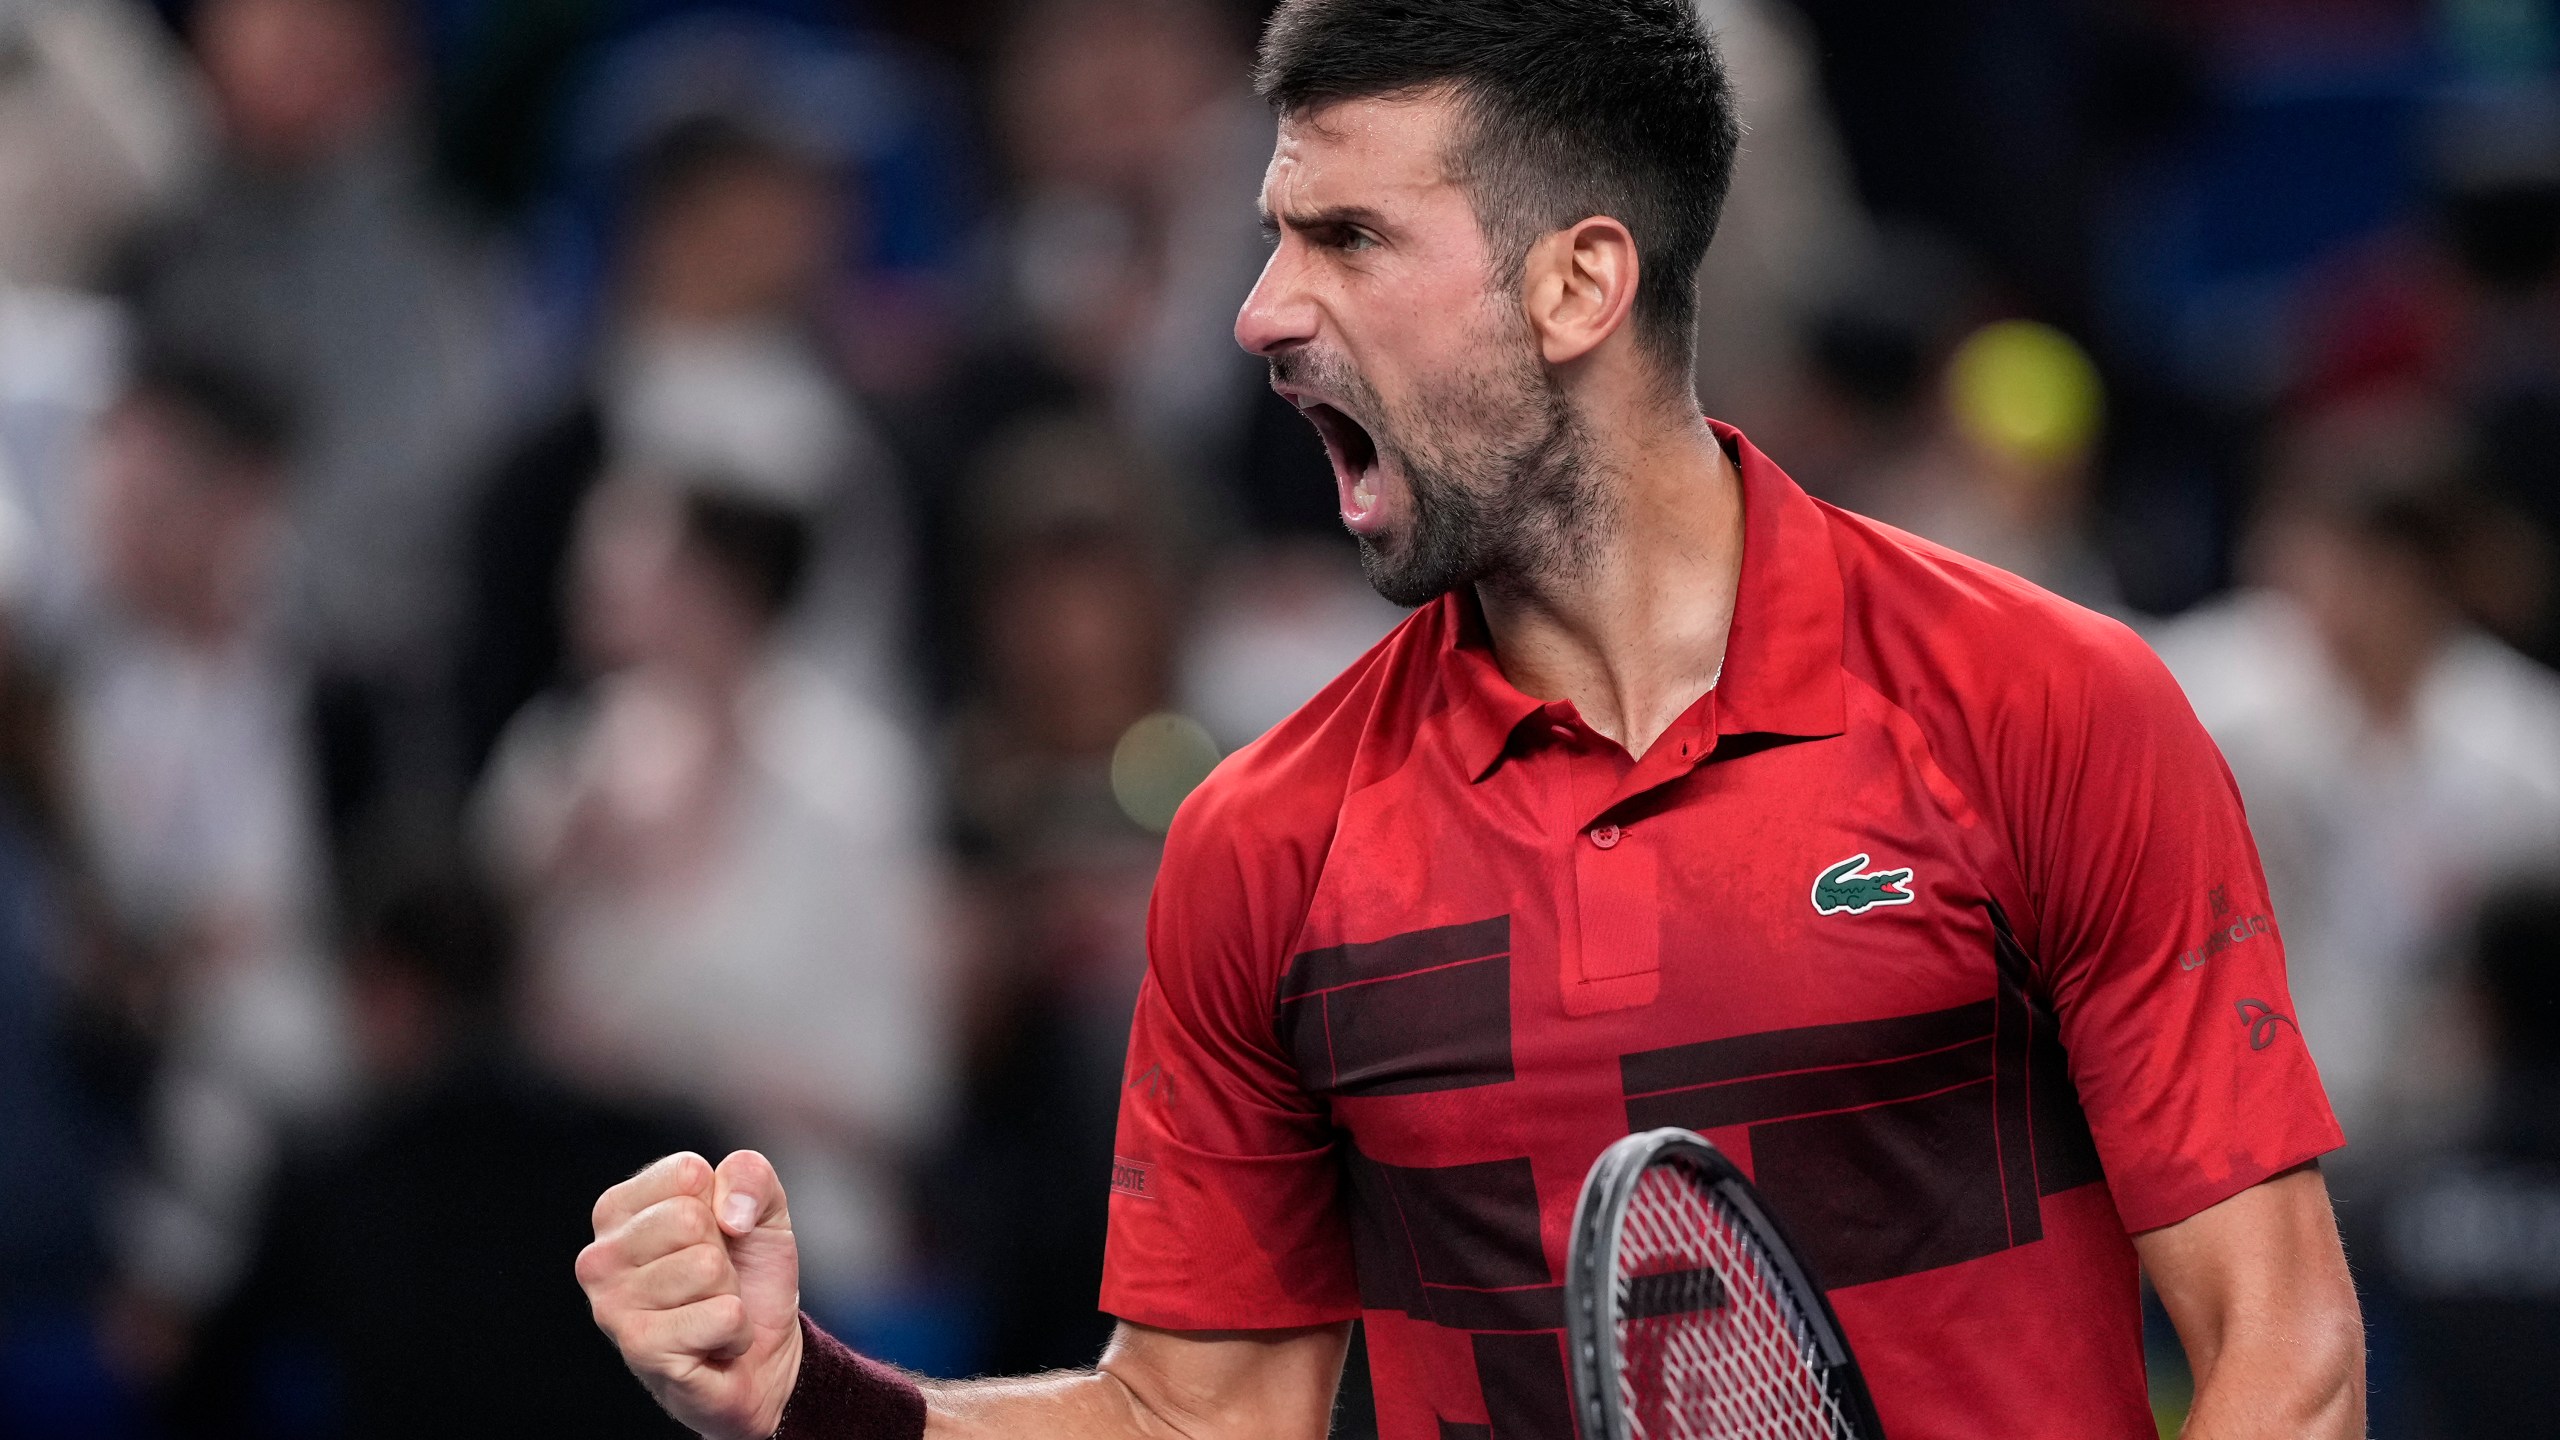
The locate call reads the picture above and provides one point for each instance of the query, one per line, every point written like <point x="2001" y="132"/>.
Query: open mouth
<point x="1355" y="462"/>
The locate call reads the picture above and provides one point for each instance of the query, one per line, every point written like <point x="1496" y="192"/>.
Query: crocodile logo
<point x="1842" y="888"/>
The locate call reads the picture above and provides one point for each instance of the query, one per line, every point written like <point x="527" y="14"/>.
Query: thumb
<point x="747" y="1195"/>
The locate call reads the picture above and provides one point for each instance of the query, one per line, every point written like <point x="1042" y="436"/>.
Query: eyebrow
<point x="1332" y="215"/>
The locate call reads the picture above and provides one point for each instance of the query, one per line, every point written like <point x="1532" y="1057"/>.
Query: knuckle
<point x="705" y="1268"/>
<point x="725" y="1312"/>
<point x="593" y="1265"/>
<point x="695" y="1224"/>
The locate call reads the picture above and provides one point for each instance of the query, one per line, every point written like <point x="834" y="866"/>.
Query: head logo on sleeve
<point x="2264" y="1022"/>
<point x="1843" y="888"/>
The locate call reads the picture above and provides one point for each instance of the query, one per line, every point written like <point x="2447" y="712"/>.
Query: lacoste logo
<point x="1842" y="888"/>
<point x="2263" y="1020"/>
<point x="1129" y="1177"/>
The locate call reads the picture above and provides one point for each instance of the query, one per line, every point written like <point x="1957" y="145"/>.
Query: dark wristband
<point x="841" y="1396"/>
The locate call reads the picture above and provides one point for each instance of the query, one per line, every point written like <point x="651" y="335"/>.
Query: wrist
<point x="839" y="1395"/>
<point x="795" y="1362"/>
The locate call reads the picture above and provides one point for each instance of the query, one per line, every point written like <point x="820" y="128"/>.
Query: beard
<point x="1495" y="462"/>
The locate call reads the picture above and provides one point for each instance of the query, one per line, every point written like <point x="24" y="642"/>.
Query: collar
<point x="1782" y="657"/>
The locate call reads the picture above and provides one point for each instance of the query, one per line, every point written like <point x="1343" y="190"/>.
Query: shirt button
<point x="1606" y="836"/>
<point x="1561" y="732"/>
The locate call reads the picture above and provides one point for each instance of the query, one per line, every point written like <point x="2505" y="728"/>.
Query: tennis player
<point x="1682" y="798"/>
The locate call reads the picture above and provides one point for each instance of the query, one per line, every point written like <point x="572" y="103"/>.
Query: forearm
<point x="2300" y="1380"/>
<point x="1072" y="1405"/>
<point x="2258" y="1287"/>
<point x="1150" y="1385"/>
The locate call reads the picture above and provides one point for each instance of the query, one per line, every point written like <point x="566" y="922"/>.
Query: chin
<point x="1389" y="563"/>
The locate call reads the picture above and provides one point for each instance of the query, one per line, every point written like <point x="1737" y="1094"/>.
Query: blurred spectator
<point x="2463" y="1252"/>
<point x="410" y="1279"/>
<point x="1076" y="624"/>
<point x="1877" y="346"/>
<point x="731" y="864"/>
<point x="1792" y="232"/>
<point x="2466" y="306"/>
<point x="1074" y="615"/>
<point x="318" y="260"/>
<point x="714" y="363"/>
<point x="1134" y="148"/>
<point x="191" y="791"/>
<point x="98" y="127"/>
<point x="883" y="115"/>
<point x="64" y="1128"/>
<point x="2397" y="763"/>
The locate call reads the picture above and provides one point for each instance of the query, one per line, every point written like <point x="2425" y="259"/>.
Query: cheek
<point x="1483" y="377"/>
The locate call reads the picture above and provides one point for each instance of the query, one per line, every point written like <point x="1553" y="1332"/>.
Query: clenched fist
<point x="695" y="1275"/>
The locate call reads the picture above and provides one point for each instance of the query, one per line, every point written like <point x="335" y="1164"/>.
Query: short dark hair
<point x="1577" y="108"/>
<point x="762" y="546"/>
<point x="443" y="924"/>
<point x="705" y="147"/>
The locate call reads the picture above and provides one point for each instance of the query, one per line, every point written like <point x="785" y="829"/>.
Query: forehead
<point x="1375" y="153"/>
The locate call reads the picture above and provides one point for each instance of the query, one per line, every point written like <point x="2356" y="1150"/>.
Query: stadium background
<point x="585" y="576"/>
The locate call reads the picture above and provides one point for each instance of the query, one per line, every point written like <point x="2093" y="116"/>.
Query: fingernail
<point x="738" y="1212"/>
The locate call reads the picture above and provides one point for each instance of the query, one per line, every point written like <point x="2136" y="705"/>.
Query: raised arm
<point x="694" y="1274"/>
<point x="2259" y="1290"/>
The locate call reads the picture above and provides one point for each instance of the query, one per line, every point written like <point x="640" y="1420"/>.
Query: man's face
<point x="1455" y="457"/>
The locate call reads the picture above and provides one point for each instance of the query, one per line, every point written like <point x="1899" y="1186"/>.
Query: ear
<point x="1579" y="287"/>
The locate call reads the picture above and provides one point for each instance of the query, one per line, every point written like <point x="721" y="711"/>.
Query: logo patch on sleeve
<point x="1843" y="889"/>
<point x="2265" y="1022"/>
<point x="1131" y="1177"/>
<point x="2229" y="929"/>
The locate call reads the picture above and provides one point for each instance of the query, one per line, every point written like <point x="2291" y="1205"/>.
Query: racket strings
<point x="1738" y="1364"/>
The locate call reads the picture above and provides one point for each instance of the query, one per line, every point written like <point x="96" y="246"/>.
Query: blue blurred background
<point x="587" y="577"/>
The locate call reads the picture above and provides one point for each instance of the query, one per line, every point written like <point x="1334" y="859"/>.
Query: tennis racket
<point x="1689" y="1314"/>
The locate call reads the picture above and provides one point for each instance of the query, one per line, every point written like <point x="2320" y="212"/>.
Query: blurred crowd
<point x="587" y="577"/>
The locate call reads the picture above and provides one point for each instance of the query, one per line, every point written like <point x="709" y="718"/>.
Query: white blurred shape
<point x="1274" y="628"/>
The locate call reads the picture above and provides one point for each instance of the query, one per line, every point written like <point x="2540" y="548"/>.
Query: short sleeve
<point x="1225" y="1206"/>
<point x="2155" y="935"/>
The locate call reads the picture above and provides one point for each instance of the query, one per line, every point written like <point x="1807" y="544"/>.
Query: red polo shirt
<point x="1938" y="913"/>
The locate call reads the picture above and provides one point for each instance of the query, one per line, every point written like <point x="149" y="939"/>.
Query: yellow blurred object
<point x="2026" y="390"/>
<point x="1157" y="763"/>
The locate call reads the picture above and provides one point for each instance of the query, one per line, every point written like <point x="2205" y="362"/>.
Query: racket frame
<point x="1591" y="1266"/>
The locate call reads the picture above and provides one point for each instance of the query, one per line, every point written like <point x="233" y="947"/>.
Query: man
<point x="1683" y="799"/>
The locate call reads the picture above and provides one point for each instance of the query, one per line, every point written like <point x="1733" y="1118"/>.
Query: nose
<point x="1278" y="315"/>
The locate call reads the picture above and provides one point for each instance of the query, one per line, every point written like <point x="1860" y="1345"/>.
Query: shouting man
<point x="1682" y="799"/>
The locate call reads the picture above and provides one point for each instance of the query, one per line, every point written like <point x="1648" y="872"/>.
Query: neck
<point x="1634" y="634"/>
